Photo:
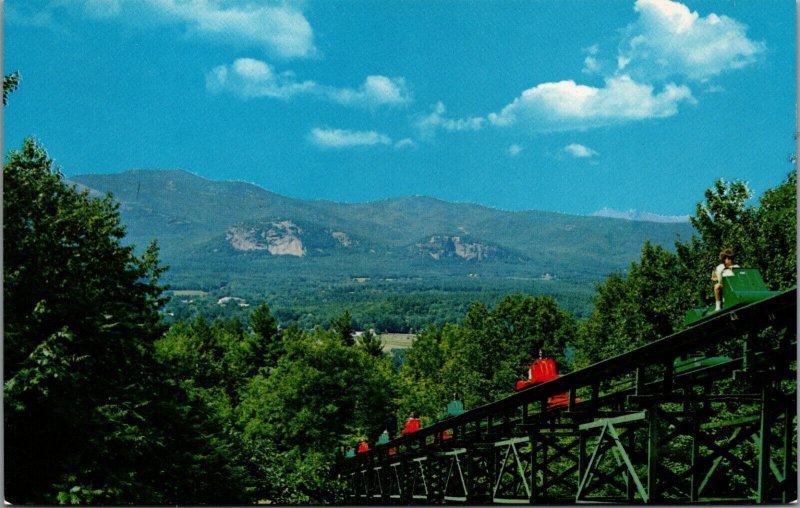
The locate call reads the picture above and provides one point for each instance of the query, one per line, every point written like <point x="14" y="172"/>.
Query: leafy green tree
<point x="321" y="394"/>
<point x="494" y="347"/>
<point x="725" y="219"/>
<point x="651" y="300"/>
<point x="480" y="360"/>
<point x="776" y="241"/>
<point x="422" y="385"/>
<point x="425" y="358"/>
<point x="762" y="236"/>
<point x="631" y="311"/>
<point x="343" y="325"/>
<point x="91" y="417"/>
<point x="527" y="323"/>
<point x="265" y="340"/>
<point x="65" y="264"/>
<point x="88" y="416"/>
<point x="10" y="84"/>
<point x="370" y="343"/>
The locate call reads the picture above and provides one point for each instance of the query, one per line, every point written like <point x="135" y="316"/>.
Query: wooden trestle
<point x="641" y="432"/>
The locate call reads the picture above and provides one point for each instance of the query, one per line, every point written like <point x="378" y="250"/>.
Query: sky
<point x="571" y="106"/>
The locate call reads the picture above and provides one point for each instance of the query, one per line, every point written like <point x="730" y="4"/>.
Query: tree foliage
<point x="320" y="396"/>
<point x="10" y="84"/>
<point x="343" y="326"/>
<point x="763" y="236"/>
<point x="633" y="310"/>
<point x="105" y="405"/>
<point x="87" y="413"/>
<point x="651" y="299"/>
<point x="480" y="360"/>
<point x="265" y="341"/>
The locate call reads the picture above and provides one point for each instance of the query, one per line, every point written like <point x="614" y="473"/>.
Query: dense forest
<point x="385" y="307"/>
<point x="107" y="403"/>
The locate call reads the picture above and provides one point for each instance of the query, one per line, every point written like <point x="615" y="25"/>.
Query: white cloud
<point x="669" y="39"/>
<point x="639" y="216"/>
<point x="376" y="91"/>
<point x="342" y="138"/>
<point x="591" y="64"/>
<point x="566" y="105"/>
<point x="278" y="28"/>
<point x="667" y="42"/>
<point x="404" y="143"/>
<point x="249" y="78"/>
<point x="580" y="151"/>
<point x="428" y="124"/>
<point x="514" y="150"/>
<point x="29" y="15"/>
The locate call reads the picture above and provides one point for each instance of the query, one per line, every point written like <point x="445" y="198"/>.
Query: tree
<point x="90" y="416"/>
<point x="763" y="237"/>
<point x="81" y="312"/>
<point x="10" y="84"/>
<point x="480" y="360"/>
<point x="422" y="386"/>
<point x="370" y="343"/>
<point x="65" y="264"/>
<point x="630" y="311"/>
<point x="725" y="219"/>
<point x="321" y="394"/>
<point x="343" y="326"/>
<point x="651" y="300"/>
<point x="776" y="241"/>
<point x="265" y="340"/>
<point x="263" y="324"/>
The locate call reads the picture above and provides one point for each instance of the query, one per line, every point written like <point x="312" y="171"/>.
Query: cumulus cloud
<point x="566" y="105"/>
<point x="343" y="138"/>
<point x="580" y="151"/>
<point x="376" y="91"/>
<point x="633" y="214"/>
<point x="249" y="78"/>
<point x="592" y="64"/>
<point x="667" y="44"/>
<point x="279" y="28"/>
<point x="430" y="123"/>
<point x="668" y="39"/>
<point x="404" y="143"/>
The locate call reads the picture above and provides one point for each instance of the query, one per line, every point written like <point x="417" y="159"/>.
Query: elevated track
<point x="636" y="429"/>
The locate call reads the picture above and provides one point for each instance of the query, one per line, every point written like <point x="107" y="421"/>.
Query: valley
<point x="397" y="264"/>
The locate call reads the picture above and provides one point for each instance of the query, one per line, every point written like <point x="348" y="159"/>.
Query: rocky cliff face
<point x="278" y="238"/>
<point x="445" y="246"/>
<point x="202" y="226"/>
<point x="343" y="239"/>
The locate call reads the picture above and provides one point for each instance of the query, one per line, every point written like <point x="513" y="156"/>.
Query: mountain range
<point x="213" y="233"/>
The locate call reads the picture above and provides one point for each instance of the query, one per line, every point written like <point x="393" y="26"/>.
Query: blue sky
<point x="563" y="105"/>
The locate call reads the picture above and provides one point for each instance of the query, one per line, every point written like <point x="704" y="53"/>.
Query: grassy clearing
<point x="396" y="340"/>
<point x="189" y="292"/>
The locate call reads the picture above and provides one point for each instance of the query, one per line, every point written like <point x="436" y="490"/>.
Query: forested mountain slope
<point x="230" y="229"/>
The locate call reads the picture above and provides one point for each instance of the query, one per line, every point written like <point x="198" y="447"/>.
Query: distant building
<point x="225" y="300"/>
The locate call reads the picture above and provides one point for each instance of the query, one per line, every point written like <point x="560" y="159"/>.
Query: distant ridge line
<point x="605" y="212"/>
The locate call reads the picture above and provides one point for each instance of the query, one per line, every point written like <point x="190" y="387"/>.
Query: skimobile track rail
<point x="634" y="430"/>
